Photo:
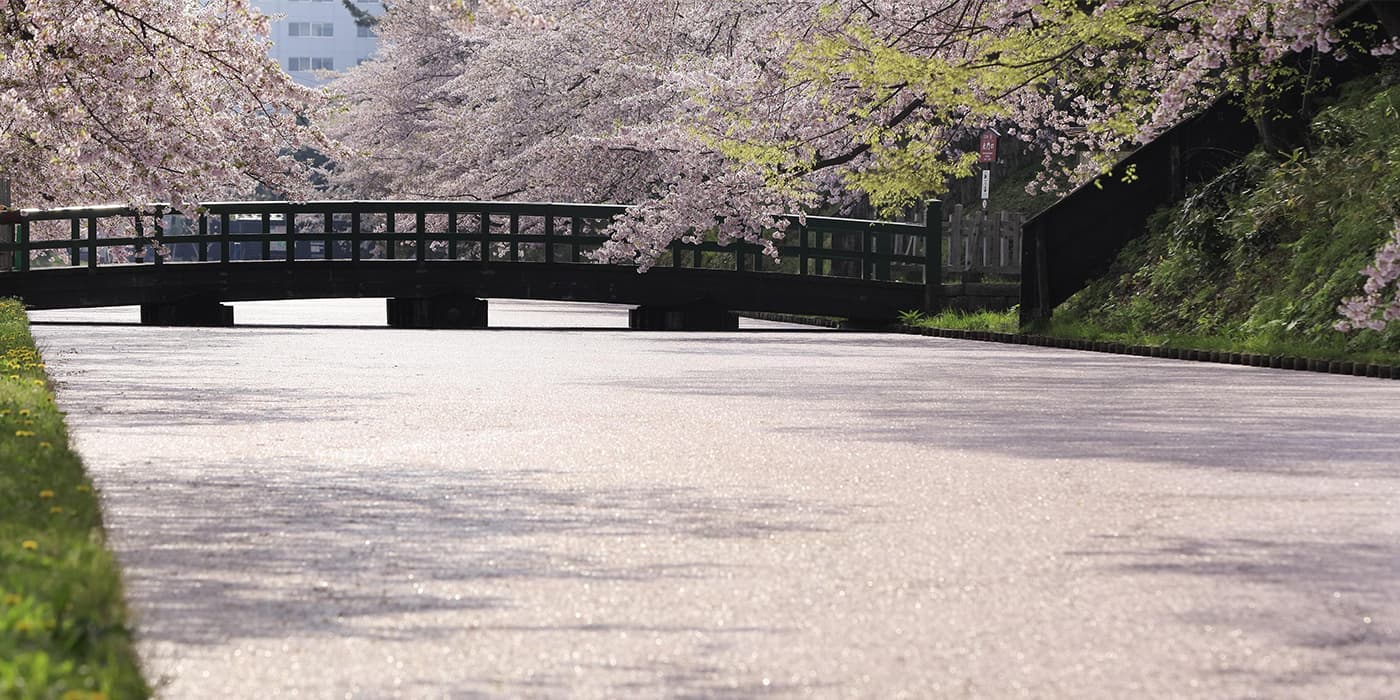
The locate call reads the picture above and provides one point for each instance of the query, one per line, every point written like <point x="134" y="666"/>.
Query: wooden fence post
<point x="933" y="256"/>
<point x="955" y="243"/>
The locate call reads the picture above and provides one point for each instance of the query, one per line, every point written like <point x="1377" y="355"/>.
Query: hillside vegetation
<point x="1261" y="256"/>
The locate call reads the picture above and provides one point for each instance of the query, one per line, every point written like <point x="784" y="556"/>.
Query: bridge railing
<point x="422" y="231"/>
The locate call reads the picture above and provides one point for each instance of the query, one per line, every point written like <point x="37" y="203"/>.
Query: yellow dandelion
<point x="24" y="411"/>
<point x="84" y="488"/>
<point x="45" y="445"/>
<point x="24" y="433"/>
<point x="5" y="412"/>
<point x="23" y="626"/>
<point x="14" y="376"/>
<point x="38" y="382"/>
<point x="56" y="510"/>
<point x="46" y="494"/>
<point x="11" y="599"/>
<point x="30" y="545"/>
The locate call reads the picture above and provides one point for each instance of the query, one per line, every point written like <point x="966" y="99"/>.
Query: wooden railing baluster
<point x="803" y="255"/>
<point x="514" y="240"/>
<point x="289" y="232"/>
<point x="355" y="240"/>
<point x="92" y="242"/>
<point x="452" y="236"/>
<point x="225" y="238"/>
<point x="575" y="230"/>
<point x="22" y="255"/>
<point x="156" y="240"/>
<point x="202" y="251"/>
<point x="391" y="244"/>
<point x="420" y="222"/>
<point x="486" y="237"/>
<point x="75" y="233"/>
<point x="328" y="245"/>
<point x="548" y="238"/>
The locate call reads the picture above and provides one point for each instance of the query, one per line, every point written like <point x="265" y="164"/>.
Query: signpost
<point x="986" y="155"/>
<point x="987" y="149"/>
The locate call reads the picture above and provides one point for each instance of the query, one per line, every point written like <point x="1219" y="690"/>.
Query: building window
<point x="310" y="29"/>
<point x="363" y="32"/>
<point x="301" y="63"/>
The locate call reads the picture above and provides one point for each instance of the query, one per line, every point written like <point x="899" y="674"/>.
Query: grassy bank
<point x="63" y="630"/>
<point x="1259" y="258"/>
<point x="1333" y="348"/>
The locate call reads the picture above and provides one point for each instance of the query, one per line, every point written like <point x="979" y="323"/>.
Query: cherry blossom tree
<point x="716" y="114"/>
<point x="135" y="100"/>
<point x="563" y="101"/>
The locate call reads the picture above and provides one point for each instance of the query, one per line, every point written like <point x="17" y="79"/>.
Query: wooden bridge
<point x="437" y="260"/>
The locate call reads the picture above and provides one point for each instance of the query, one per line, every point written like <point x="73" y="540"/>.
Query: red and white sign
<point x="987" y="149"/>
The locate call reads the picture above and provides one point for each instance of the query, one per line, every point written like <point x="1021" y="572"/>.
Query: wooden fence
<point x="977" y="244"/>
<point x="982" y="243"/>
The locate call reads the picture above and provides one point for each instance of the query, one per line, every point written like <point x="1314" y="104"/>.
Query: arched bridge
<point x="436" y="260"/>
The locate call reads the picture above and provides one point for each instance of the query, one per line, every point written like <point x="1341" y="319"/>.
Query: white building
<point x="316" y="35"/>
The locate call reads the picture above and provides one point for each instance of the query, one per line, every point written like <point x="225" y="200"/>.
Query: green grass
<point x="1335" y="348"/>
<point x="63" y="630"/>
<point x="998" y="321"/>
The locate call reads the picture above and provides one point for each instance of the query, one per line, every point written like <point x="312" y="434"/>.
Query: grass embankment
<point x="1006" y="322"/>
<point x="63" y="633"/>
<point x="1258" y="259"/>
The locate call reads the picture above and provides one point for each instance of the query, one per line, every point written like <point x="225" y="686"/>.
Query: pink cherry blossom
<point x="140" y="100"/>
<point x="713" y="114"/>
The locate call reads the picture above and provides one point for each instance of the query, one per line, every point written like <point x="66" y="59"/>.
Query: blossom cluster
<point x="713" y="114"/>
<point x="1379" y="303"/>
<point x="139" y="100"/>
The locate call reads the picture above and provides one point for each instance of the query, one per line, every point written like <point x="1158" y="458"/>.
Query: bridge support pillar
<point x="188" y="312"/>
<point x="686" y="317"/>
<point x="443" y="311"/>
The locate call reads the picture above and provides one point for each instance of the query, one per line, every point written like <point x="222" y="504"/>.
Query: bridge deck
<point x="116" y="285"/>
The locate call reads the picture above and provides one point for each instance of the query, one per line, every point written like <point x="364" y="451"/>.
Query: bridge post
<point x="695" y="316"/>
<point x="7" y="231"/>
<point x="437" y="312"/>
<point x="933" y="256"/>
<point x="187" y="312"/>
